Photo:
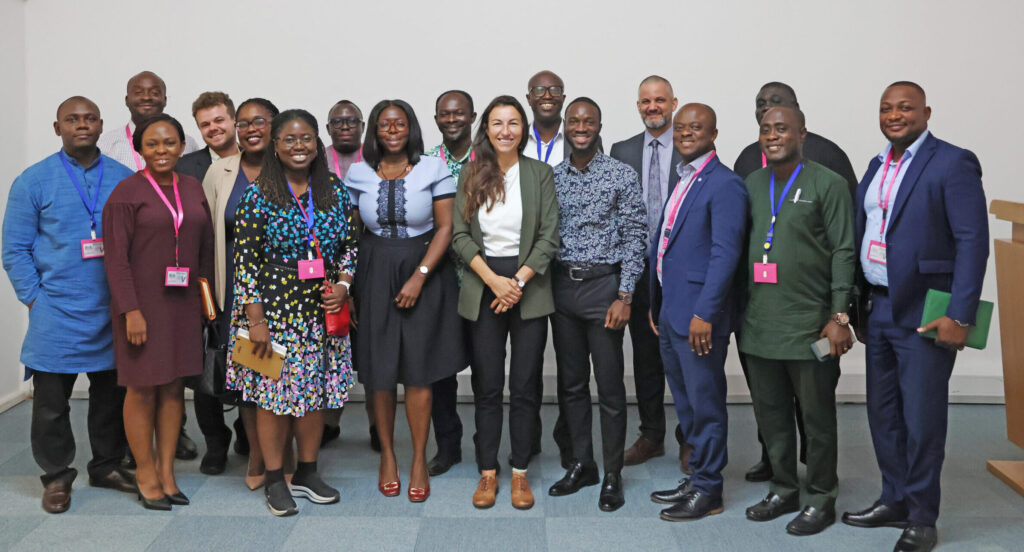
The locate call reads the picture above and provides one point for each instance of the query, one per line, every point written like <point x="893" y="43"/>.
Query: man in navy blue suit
<point x="693" y="258"/>
<point x="920" y="204"/>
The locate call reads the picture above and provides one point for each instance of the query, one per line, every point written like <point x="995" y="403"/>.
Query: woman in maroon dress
<point x="159" y="242"/>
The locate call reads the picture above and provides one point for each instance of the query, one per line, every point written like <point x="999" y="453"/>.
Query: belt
<point x="578" y="273"/>
<point x="880" y="290"/>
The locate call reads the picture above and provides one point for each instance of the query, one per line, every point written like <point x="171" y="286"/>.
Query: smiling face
<point x="545" y="102"/>
<point x="161" y="147"/>
<point x="504" y="129"/>
<point x="903" y="115"/>
<point x="393" y="130"/>
<point x="782" y="135"/>
<point x="78" y="124"/>
<point x="655" y="104"/>
<point x="345" y="125"/>
<point x="255" y="137"/>
<point x="454" y="117"/>
<point x="694" y="131"/>
<point x="295" y="145"/>
<point x="582" y="126"/>
<point x="217" y="127"/>
<point x="146" y="95"/>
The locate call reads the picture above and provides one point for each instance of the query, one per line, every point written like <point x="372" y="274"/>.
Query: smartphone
<point x="822" y="349"/>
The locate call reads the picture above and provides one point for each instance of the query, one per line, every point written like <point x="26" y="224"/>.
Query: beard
<point x="657" y="123"/>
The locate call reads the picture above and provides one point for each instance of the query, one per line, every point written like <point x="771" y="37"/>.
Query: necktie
<point x="653" y="193"/>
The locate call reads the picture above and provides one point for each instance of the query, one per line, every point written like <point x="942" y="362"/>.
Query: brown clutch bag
<point x="209" y="309"/>
<point x="243" y="354"/>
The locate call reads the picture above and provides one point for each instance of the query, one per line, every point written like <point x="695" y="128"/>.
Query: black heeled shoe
<point x="178" y="499"/>
<point x="163" y="503"/>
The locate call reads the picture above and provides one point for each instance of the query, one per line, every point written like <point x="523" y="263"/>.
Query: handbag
<point x="212" y="380"/>
<point x="338" y="323"/>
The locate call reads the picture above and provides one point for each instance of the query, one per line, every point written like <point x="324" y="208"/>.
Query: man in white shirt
<point x="546" y="93"/>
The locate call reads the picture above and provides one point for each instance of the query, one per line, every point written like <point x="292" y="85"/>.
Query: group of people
<point x="440" y="257"/>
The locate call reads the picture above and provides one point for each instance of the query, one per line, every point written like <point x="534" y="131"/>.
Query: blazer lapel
<point x="917" y="165"/>
<point x="529" y="193"/>
<point x="690" y="198"/>
<point x="673" y="176"/>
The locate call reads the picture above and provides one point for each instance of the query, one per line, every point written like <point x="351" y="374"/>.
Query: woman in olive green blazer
<point x="506" y="229"/>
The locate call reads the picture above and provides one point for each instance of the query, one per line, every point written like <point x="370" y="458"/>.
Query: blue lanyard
<point x="308" y="214"/>
<point x="551" y="145"/>
<point x="776" y="208"/>
<point x="91" y="207"/>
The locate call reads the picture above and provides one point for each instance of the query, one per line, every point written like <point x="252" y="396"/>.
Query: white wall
<point x="837" y="55"/>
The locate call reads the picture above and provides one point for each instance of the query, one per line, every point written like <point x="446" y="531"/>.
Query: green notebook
<point x="935" y="305"/>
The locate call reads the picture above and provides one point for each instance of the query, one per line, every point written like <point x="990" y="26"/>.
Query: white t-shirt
<point x="502" y="225"/>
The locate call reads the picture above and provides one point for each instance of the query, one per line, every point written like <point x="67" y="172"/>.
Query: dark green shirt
<point x="813" y="252"/>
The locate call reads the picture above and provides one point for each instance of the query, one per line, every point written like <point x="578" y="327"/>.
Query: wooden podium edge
<point x="1009" y="472"/>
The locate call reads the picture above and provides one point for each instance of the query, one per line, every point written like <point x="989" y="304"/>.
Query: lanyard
<point x="138" y="160"/>
<point x="670" y="219"/>
<point x="178" y="215"/>
<point x="471" y="154"/>
<point x="551" y="145"/>
<point x="881" y="184"/>
<point x="91" y="207"/>
<point x="308" y="216"/>
<point x="776" y="208"/>
<point x="337" y="165"/>
<point x="764" y="160"/>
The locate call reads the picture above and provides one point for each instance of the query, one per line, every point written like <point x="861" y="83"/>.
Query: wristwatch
<point x="961" y="324"/>
<point x="626" y="298"/>
<point x="424" y="270"/>
<point x="521" y="282"/>
<point x="841" y="318"/>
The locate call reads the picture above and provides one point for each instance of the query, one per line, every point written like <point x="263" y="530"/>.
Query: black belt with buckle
<point x="578" y="273"/>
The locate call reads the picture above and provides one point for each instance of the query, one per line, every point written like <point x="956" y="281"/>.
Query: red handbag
<point x="338" y="323"/>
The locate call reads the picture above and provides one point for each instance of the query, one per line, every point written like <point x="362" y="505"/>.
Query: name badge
<point x="92" y="248"/>
<point x="766" y="273"/>
<point x="177" y="276"/>
<point x="310" y="269"/>
<point x="876" y="252"/>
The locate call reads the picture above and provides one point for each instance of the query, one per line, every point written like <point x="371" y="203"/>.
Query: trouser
<point x="774" y="385"/>
<point x="580" y="336"/>
<point x="445" y="416"/>
<point x="699" y="391"/>
<point x="907" y="402"/>
<point x="53" y="443"/>
<point x="796" y="410"/>
<point x="648" y="370"/>
<point x="210" y="417"/>
<point x="528" y="337"/>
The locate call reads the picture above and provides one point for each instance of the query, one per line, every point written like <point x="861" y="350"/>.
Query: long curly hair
<point x="485" y="182"/>
<point x="272" y="181"/>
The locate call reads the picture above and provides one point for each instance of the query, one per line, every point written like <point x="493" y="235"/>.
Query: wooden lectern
<point x="1009" y="267"/>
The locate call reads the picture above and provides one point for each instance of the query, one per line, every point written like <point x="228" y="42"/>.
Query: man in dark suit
<point x="923" y="199"/>
<point x="693" y="257"/>
<point x="214" y="113"/>
<point x="652" y="155"/>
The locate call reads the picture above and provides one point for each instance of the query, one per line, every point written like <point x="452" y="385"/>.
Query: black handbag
<point x="212" y="379"/>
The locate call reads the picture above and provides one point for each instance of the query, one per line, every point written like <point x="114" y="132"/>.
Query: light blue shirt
<point x="664" y="160"/>
<point x="875" y="272"/>
<point x="45" y="222"/>
<point x="404" y="207"/>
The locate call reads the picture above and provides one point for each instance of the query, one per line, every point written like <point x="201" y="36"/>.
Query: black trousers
<point x="210" y="417"/>
<point x="53" y="443"/>
<point x="580" y="337"/>
<point x="796" y="408"/>
<point x="648" y="370"/>
<point x="488" y="335"/>
<point x="445" y="416"/>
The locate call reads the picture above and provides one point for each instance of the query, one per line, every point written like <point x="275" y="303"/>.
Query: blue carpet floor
<point x="978" y="513"/>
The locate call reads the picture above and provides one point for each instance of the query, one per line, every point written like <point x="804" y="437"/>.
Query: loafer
<point x="178" y="499"/>
<point x="878" y="515"/>
<point x="57" y="497"/>
<point x="611" y="498"/>
<point x="672" y="496"/>
<point x="772" y="507"/>
<point x="485" y="493"/>
<point x="811" y="521"/>
<point x="642" y="450"/>
<point x="695" y="505"/>
<point x="917" y="538"/>
<point x="441" y="463"/>
<point x="118" y="479"/>
<point x="576" y="477"/>
<point x="214" y="461"/>
<point x="186" y="449"/>
<point x="330" y="433"/>
<point x="759" y="472"/>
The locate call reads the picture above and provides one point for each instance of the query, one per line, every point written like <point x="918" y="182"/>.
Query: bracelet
<point x="260" y="322"/>
<point x="348" y="285"/>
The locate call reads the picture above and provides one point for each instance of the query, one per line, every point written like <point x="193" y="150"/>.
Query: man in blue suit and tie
<point x="920" y="204"/>
<point x="693" y="258"/>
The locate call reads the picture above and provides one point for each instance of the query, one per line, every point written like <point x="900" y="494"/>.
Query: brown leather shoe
<point x="642" y="450"/>
<point x="485" y="492"/>
<point x="684" y="459"/>
<point x="57" y="497"/>
<point x="522" y="496"/>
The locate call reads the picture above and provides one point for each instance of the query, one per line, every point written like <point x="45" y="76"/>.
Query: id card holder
<point x="313" y="268"/>
<point x="876" y="252"/>
<point x="92" y="249"/>
<point x="177" y="276"/>
<point x="766" y="273"/>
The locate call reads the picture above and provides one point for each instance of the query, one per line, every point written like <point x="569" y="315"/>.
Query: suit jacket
<point x="538" y="241"/>
<point x="704" y="250"/>
<point x="219" y="181"/>
<point x="937" y="234"/>
<point x="195" y="164"/>
<point x="631" y="152"/>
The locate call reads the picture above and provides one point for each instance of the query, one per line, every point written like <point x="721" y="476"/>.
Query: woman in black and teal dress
<point x="295" y="213"/>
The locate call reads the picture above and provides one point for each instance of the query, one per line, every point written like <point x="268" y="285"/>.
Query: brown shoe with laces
<point x="522" y="496"/>
<point x="642" y="450"/>
<point x="485" y="492"/>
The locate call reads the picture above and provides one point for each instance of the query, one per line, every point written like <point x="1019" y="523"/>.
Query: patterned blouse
<point x="403" y="207"/>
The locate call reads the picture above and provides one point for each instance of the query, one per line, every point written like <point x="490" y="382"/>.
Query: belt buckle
<point x="572" y="275"/>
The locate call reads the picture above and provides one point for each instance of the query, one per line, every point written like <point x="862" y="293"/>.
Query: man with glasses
<point x="345" y="125"/>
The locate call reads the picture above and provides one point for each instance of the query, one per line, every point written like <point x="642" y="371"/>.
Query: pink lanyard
<point x="178" y="216"/>
<point x="764" y="160"/>
<point x="337" y="165"/>
<point x="472" y="154"/>
<point x="881" y="184"/>
<point x="670" y="218"/>
<point x="138" y="161"/>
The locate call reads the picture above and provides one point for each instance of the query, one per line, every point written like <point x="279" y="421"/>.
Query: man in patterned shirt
<point x="603" y="224"/>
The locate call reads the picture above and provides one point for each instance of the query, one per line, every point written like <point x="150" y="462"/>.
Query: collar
<point x="75" y="162"/>
<point x="596" y="160"/>
<point x="695" y="163"/>
<point x="448" y="154"/>
<point x="665" y="139"/>
<point x="533" y="138"/>
<point x="911" y="151"/>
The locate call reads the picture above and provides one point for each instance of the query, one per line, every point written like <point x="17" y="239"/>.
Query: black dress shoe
<point x="186" y="449"/>
<point x="330" y="433"/>
<point x="672" y="496"/>
<point x="611" y="498"/>
<point x="576" y="477"/>
<point x="374" y="439"/>
<point x="917" y="538"/>
<point x="761" y="471"/>
<point x="772" y="507"/>
<point x="214" y="461"/>
<point x="811" y="521"/>
<point x="879" y="515"/>
<point x="694" y="505"/>
<point x="241" y="438"/>
<point x="178" y="499"/>
<point x="118" y="479"/>
<point x="441" y="463"/>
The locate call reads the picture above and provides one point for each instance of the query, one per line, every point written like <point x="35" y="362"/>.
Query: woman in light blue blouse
<point x="405" y="290"/>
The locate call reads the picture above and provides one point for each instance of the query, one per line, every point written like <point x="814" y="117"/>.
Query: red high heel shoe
<point x="418" y="494"/>
<point x="391" y="488"/>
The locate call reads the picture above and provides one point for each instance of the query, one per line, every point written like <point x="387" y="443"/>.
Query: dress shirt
<point x="602" y="216"/>
<point x="664" y="156"/>
<point x="557" y="145"/>
<point x="44" y="225"/>
<point x="685" y="172"/>
<point x="454" y="165"/>
<point x="876" y="273"/>
<point x="118" y="145"/>
<point x="501" y="225"/>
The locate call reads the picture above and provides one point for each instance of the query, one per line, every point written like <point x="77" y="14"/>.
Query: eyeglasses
<point x="555" y="91"/>
<point x="257" y="123"/>
<point x="290" y="141"/>
<point x="386" y="125"/>
<point x="342" y="122"/>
